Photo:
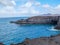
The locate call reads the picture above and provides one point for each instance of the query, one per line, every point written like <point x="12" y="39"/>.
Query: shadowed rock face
<point x="1" y="44"/>
<point x="53" y="40"/>
<point x="58" y="25"/>
<point x="41" y="20"/>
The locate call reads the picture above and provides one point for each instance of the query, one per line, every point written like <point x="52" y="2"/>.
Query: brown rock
<point x="54" y="40"/>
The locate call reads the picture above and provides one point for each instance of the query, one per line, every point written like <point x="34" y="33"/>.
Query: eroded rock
<point x="41" y="20"/>
<point x="38" y="20"/>
<point x="53" y="40"/>
<point x="1" y="44"/>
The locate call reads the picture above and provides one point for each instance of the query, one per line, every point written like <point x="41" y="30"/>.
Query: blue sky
<point x="17" y="8"/>
<point x="50" y="2"/>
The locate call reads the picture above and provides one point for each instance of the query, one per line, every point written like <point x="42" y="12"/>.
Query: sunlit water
<point x="13" y="33"/>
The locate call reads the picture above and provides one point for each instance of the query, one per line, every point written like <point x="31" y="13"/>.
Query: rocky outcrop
<point x="40" y="20"/>
<point x="43" y="19"/>
<point x="53" y="40"/>
<point x="58" y="25"/>
<point x="1" y="44"/>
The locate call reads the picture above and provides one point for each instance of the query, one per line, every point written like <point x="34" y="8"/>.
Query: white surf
<point x="52" y="29"/>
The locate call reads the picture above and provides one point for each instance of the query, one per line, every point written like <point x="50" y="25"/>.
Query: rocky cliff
<point x="38" y="20"/>
<point x="41" y="20"/>
<point x="58" y="24"/>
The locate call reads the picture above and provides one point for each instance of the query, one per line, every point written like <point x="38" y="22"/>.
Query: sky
<point x="18" y="8"/>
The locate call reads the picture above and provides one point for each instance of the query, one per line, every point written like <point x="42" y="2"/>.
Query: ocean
<point x="17" y="33"/>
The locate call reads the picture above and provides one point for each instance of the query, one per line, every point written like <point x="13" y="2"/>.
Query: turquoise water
<point x="13" y="33"/>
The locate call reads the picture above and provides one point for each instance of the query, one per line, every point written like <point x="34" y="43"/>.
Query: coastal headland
<point x="52" y="40"/>
<point x="41" y="20"/>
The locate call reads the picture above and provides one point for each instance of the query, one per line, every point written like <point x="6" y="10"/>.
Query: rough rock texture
<point x="58" y="25"/>
<point x="41" y="20"/>
<point x="1" y="44"/>
<point x="53" y="40"/>
<point x="38" y="20"/>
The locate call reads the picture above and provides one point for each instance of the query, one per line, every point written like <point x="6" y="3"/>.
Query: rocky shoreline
<point x="40" y="20"/>
<point x="52" y="40"/>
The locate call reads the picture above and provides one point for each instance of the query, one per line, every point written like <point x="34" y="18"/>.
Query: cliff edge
<point x="40" y="20"/>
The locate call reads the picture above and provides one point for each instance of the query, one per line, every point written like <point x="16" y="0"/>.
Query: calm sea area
<point x="14" y="33"/>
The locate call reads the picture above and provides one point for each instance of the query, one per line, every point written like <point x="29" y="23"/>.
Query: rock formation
<point x="58" y="25"/>
<point x="40" y="20"/>
<point x="53" y="40"/>
<point x="1" y="44"/>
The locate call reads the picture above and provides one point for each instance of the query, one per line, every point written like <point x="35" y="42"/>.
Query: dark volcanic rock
<point x="58" y="25"/>
<point x="1" y="44"/>
<point x="43" y="19"/>
<point x="53" y="40"/>
<point x="40" y="20"/>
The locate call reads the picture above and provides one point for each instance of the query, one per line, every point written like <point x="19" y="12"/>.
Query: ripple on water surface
<point x="12" y="33"/>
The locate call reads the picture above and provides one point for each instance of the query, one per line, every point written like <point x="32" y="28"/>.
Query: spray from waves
<point x="52" y="29"/>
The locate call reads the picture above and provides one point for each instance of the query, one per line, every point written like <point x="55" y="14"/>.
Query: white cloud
<point x="10" y="8"/>
<point x="28" y="4"/>
<point x="7" y="2"/>
<point x="51" y="9"/>
<point x="57" y="7"/>
<point x="32" y="11"/>
<point x="28" y="8"/>
<point x="24" y="9"/>
<point x="45" y="6"/>
<point x="37" y="3"/>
